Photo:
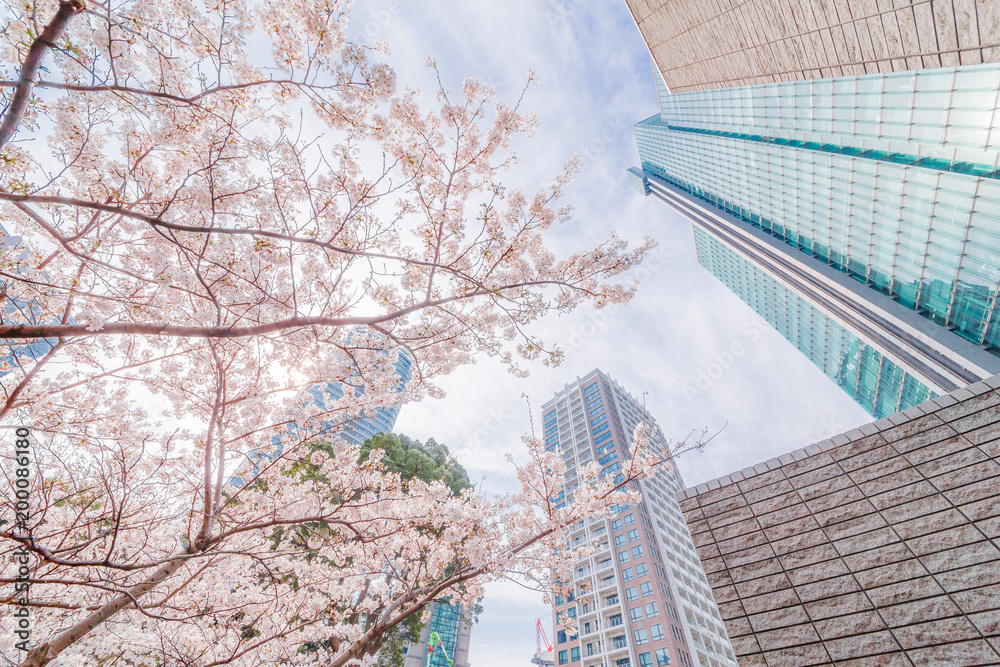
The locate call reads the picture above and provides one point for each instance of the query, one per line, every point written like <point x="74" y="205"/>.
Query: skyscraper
<point x="355" y="430"/>
<point x="454" y="632"/>
<point x="14" y="354"/>
<point x="860" y="216"/>
<point x="642" y="599"/>
<point x="363" y="427"/>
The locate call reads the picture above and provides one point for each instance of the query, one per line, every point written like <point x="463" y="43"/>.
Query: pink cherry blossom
<point x="220" y="206"/>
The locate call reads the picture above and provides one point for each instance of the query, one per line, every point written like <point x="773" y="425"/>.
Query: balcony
<point x="604" y="565"/>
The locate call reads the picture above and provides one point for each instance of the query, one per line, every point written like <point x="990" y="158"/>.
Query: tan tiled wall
<point x="880" y="542"/>
<point x="701" y="44"/>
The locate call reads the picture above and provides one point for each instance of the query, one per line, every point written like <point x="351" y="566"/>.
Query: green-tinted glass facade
<point x="891" y="178"/>
<point x="878" y="384"/>
<point x="444" y="621"/>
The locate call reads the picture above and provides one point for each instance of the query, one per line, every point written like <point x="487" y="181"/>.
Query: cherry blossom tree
<point x="221" y="205"/>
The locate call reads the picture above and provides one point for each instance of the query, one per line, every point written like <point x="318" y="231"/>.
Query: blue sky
<point x="673" y="342"/>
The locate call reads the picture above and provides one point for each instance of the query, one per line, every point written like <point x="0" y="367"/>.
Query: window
<point x="629" y="519"/>
<point x="618" y="642"/>
<point x="662" y="657"/>
<point x="641" y="637"/>
<point x="615" y="620"/>
<point x="645" y="659"/>
<point x="590" y="390"/>
<point x="656" y="632"/>
<point x="610" y="469"/>
<point x="652" y="611"/>
<point x="590" y="649"/>
<point x="635" y="614"/>
<point x="610" y="600"/>
<point x="586" y="628"/>
<point x="631" y="594"/>
<point x="561" y="637"/>
<point x="646" y="588"/>
<point x="627" y="574"/>
<point x="633" y="535"/>
<point x="622" y="663"/>
<point x="574" y="654"/>
<point x="620" y="541"/>
<point x="608" y="457"/>
<point x="641" y="570"/>
<point x="600" y="429"/>
<point x="563" y="657"/>
<point x="637" y="551"/>
<point x="616" y="524"/>
<point x="602" y="437"/>
<point x="571" y="612"/>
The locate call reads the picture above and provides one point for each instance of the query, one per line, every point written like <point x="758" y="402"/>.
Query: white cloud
<point x="596" y="81"/>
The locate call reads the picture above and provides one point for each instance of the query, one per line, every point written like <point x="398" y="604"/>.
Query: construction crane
<point x="435" y="637"/>
<point x="546" y="657"/>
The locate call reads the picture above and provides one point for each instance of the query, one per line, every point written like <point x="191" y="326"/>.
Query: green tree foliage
<point x="412" y="459"/>
<point x="429" y="462"/>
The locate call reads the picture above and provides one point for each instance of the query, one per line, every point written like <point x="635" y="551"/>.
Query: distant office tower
<point x="18" y="353"/>
<point x="700" y="45"/>
<point x="880" y="546"/>
<point x="356" y="430"/>
<point x="455" y="634"/>
<point x="642" y="599"/>
<point x="366" y="425"/>
<point x="860" y="216"/>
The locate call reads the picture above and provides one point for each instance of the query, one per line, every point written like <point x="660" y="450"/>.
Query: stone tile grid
<point x="818" y="637"/>
<point x="990" y="385"/>
<point x="799" y="39"/>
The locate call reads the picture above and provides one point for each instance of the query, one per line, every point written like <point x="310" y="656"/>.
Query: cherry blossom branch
<point x="32" y="62"/>
<point x="138" y="328"/>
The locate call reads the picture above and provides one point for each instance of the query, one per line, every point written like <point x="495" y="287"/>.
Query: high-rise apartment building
<point x="699" y="45"/>
<point x="642" y="598"/>
<point x="452" y="633"/>
<point x="860" y="216"/>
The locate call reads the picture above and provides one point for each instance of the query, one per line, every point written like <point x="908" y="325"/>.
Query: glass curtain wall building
<point x="455" y="633"/>
<point x="18" y="355"/>
<point x="381" y="420"/>
<point x="868" y="206"/>
<point x="642" y="598"/>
